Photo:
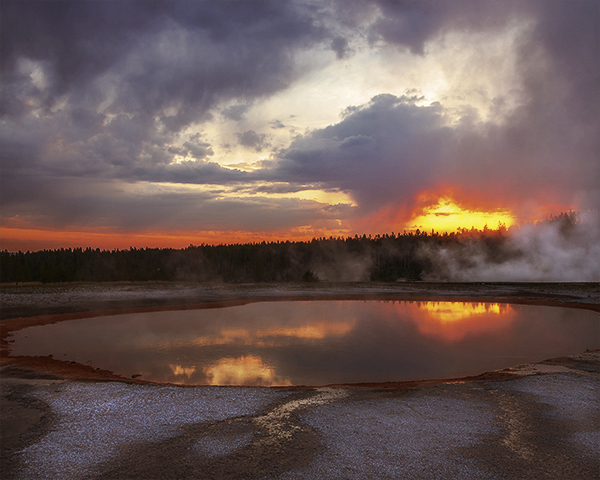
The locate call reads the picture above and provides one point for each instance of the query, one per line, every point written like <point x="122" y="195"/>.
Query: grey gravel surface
<point x="542" y="422"/>
<point x="399" y="438"/>
<point x="95" y="421"/>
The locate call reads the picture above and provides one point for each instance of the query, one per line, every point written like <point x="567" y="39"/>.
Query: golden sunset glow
<point x="15" y="239"/>
<point x="246" y="370"/>
<point x="454" y="321"/>
<point x="448" y="216"/>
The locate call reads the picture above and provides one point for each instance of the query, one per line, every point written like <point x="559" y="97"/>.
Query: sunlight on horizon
<point x="449" y="216"/>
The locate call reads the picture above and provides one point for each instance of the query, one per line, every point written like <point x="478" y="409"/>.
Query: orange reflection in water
<point x="315" y="342"/>
<point x="454" y="311"/>
<point x="246" y="370"/>
<point x="315" y="331"/>
<point x="179" y="370"/>
<point x="268" y="336"/>
<point x="454" y="321"/>
<point x="225" y="336"/>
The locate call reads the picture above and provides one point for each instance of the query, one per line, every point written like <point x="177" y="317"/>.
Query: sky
<point x="164" y="124"/>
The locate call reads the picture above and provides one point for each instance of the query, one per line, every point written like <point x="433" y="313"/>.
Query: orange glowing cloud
<point x="246" y="370"/>
<point x="386" y="219"/>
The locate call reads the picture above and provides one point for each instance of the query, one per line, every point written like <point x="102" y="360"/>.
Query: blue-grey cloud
<point x="410" y="24"/>
<point x="388" y="150"/>
<point x="384" y="151"/>
<point x="174" y="60"/>
<point x="252" y="140"/>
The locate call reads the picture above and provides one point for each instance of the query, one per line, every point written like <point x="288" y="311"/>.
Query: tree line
<point x="388" y="257"/>
<point x="391" y="257"/>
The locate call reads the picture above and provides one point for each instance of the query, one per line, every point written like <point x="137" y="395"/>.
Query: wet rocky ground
<point x="531" y="421"/>
<point x="539" y="421"/>
<point x="25" y="300"/>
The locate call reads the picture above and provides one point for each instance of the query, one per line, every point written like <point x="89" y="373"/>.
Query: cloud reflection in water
<point x="316" y="342"/>
<point x="246" y="370"/>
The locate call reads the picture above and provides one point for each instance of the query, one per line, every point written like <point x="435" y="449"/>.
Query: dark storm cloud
<point x="340" y="46"/>
<point x="103" y="88"/>
<point x="550" y="147"/>
<point x="411" y="24"/>
<point x="197" y="148"/>
<point x="160" y="56"/>
<point x="95" y="92"/>
<point x="547" y="150"/>
<point x="382" y="152"/>
<point x="252" y="140"/>
<point x="236" y="112"/>
<point x="276" y="124"/>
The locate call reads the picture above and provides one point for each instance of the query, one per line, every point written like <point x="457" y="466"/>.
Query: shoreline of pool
<point x="29" y="366"/>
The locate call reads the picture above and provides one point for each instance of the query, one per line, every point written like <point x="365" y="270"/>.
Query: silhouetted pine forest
<point x="388" y="257"/>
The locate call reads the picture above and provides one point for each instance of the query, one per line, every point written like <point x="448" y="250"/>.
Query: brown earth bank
<point x="63" y="420"/>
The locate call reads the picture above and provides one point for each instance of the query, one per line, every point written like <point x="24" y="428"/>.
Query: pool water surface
<point x="317" y="342"/>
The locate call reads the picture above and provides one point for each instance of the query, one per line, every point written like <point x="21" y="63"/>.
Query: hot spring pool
<point x="316" y="342"/>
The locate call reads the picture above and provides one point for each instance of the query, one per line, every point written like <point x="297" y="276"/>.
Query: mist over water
<point x="564" y="248"/>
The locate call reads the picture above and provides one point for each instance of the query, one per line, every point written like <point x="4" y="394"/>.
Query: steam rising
<point x="564" y="249"/>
